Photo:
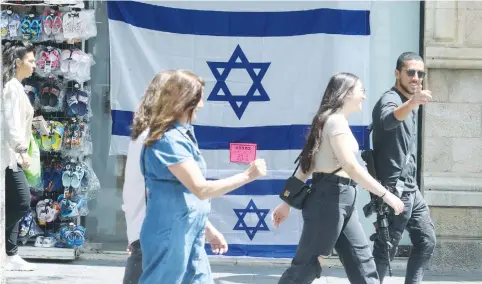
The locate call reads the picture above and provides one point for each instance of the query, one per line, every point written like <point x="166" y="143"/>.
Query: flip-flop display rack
<point x="60" y="95"/>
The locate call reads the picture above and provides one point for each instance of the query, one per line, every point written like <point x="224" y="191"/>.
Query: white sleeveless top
<point x="325" y="159"/>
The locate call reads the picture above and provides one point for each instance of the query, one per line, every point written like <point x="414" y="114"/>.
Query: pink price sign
<point x="242" y="152"/>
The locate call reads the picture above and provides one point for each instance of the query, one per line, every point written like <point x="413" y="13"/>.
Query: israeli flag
<point x="266" y="65"/>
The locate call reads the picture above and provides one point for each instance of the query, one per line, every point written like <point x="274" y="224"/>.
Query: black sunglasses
<point x="412" y="72"/>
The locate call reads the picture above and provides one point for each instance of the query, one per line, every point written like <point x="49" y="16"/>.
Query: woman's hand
<point x="280" y="213"/>
<point x="25" y="161"/>
<point x="218" y="243"/>
<point x="256" y="169"/>
<point x="394" y="202"/>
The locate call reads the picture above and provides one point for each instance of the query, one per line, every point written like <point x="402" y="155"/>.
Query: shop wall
<point x="106" y="223"/>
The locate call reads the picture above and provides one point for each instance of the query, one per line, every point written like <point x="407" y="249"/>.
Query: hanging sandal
<point x="39" y="241"/>
<point x="77" y="176"/>
<point x="83" y="99"/>
<point x="49" y="242"/>
<point x="57" y="135"/>
<point x="47" y="21"/>
<point x="57" y="24"/>
<point x="72" y="103"/>
<point x="67" y="175"/>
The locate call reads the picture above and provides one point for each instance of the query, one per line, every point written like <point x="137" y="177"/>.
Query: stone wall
<point x="452" y="132"/>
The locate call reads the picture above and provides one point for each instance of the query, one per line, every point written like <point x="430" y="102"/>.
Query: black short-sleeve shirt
<point x="394" y="141"/>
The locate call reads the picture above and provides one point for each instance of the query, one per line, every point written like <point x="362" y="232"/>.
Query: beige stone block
<point x="456" y="256"/>
<point x="439" y="83"/>
<point x="466" y="86"/>
<point x="467" y="155"/>
<point x="452" y="120"/>
<point x="437" y="154"/>
<point x="445" y="5"/>
<point x="471" y="5"/>
<point x="453" y="182"/>
<point x="457" y="222"/>
<point x="445" y="21"/>
<point x="457" y="198"/>
<point x="473" y="28"/>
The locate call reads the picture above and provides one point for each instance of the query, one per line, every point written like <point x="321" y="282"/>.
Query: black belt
<point x="317" y="177"/>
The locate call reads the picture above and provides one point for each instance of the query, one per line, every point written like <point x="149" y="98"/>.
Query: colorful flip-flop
<point x="72" y="235"/>
<point x="57" y="24"/>
<point x="9" y="24"/>
<point x="54" y="140"/>
<point x="68" y="208"/>
<point x="31" y="27"/>
<point x="57" y="135"/>
<point x="47" y="21"/>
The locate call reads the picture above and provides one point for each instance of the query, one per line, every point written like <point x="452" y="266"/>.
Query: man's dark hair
<point x="407" y="56"/>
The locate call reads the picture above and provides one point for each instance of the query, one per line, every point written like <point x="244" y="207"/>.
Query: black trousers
<point x="328" y="224"/>
<point x="416" y="220"/>
<point x="133" y="270"/>
<point x="17" y="204"/>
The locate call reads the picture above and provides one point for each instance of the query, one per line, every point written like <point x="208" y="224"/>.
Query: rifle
<point x="376" y="204"/>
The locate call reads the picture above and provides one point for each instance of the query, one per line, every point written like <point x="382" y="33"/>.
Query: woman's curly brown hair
<point x="144" y="111"/>
<point x="178" y="100"/>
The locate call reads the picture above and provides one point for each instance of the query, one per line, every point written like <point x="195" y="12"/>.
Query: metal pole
<point x="2" y="191"/>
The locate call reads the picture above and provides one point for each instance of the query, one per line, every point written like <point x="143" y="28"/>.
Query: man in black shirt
<point x="395" y="155"/>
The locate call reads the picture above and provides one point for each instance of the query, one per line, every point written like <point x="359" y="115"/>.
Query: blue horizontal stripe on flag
<point x="240" y="24"/>
<point x="262" y="187"/>
<point x="279" y="137"/>
<point x="272" y="251"/>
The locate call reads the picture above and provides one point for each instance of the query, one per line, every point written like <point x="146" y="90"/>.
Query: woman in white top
<point x="329" y="213"/>
<point x="18" y="60"/>
<point x="133" y="194"/>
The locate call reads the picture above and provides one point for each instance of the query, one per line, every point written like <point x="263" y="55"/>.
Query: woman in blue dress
<point x="172" y="234"/>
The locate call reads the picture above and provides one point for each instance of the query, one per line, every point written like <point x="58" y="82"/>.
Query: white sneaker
<point x="39" y="241"/>
<point x="49" y="242"/>
<point x="16" y="263"/>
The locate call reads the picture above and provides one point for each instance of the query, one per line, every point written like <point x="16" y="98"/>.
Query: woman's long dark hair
<point x="12" y="51"/>
<point x="339" y="87"/>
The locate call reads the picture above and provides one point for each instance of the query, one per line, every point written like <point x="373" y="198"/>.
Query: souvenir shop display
<point x="64" y="182"/>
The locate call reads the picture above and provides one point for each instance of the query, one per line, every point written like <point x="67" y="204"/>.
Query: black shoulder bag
<point x="295" y="192"/>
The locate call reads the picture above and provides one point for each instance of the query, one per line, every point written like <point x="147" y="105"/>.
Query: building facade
<point x="452" y="132"/>
<point x="451" y="128"/>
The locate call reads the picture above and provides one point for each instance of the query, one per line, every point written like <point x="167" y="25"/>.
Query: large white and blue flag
<point x="266" y="65"/>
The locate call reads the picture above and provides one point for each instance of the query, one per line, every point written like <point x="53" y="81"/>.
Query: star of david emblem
<point x="221" y="91"/>
<point x="241" y="224"/>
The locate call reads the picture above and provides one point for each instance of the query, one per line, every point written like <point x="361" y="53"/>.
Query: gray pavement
<point x="105" y="269"/>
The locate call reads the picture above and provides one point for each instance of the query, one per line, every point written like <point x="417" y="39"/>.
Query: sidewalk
<point x="109" y="269"/>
